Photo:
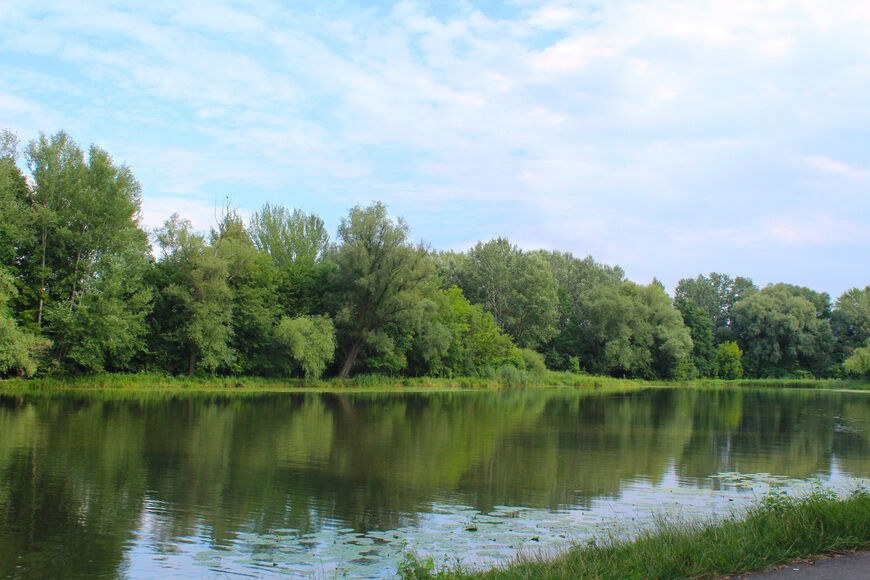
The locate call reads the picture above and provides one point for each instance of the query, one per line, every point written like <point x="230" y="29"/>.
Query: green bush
<point x="533" y="361"/>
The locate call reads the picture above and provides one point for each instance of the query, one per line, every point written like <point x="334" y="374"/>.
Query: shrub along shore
<point x="778" y="530"/>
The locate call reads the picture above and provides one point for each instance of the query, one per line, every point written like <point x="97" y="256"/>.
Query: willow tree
<point x="380" y="276"/>
<point x="851" y="320"/>
<point x="784" y="330"/>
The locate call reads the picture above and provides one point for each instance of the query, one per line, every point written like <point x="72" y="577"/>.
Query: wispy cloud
<point x="617" y="128"/>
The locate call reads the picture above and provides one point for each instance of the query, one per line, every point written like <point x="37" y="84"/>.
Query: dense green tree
<point x="729" y="361"/>
<point x="309" y="341"/>
<point x="453" y="337"/>
<point x="516" y="287"/>
<point x="575" y="278"/>
<point x="104" y="327"/>
<point x="633" y="330"/>
<point x="289" y="237"/>
<point x="380" y="276"/>
<point x="784" y="330"/>
<point x="81" y="255"/>
<point x="196" y="301"/>
<point x="703" y="357"/>
<point x="18" y="348"/>
<point x="84" y="209"/>
<point x="298" y="245"/>
<point x="716" y="295"/>
<point x="252" y="278"/>
<point x="850" y="320"/>
<point x="16" y="226"/>
<point x="858" y="362"/>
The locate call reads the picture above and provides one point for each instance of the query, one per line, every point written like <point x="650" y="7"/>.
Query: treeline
<point x="82" y="291"/>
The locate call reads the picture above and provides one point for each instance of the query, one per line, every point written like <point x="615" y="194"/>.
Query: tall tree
<point x="516" y="287"/>
<point x="380" y="276"/>
<point x="632" y="330"/>
<point x="784" y="330"/>
<point x="703" y="356"/>
<point x="851" y="320"/>
<point x="575" y="279"/>
<point x="16" y="227"/>
<point x="716" y="296"/>
<point x="105" y="327"/>
<point x="252" y="277"/>
<point x="18" y="347"/>
<point x="83" y="267"/>
<point x="194" y="314"/>
<point x="289" y="237"/>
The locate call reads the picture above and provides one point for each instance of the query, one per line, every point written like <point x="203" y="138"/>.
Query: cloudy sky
<point x="671" y="137"/>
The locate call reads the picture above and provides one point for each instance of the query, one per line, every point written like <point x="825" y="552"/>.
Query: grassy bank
<point x="776" y="531"/>
<point x="161" y="381"/>
<point x="843" y="384"/>
<point x="499" y="378"/>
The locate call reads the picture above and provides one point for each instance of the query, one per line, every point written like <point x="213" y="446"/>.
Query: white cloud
<point x="833" y="166"/>
<point x="605" y="118"/>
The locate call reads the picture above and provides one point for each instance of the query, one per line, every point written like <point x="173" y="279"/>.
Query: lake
<point x="162" y="484"/>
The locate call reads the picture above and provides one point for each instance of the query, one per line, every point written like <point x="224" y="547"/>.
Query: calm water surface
<point x="328" y="484"/>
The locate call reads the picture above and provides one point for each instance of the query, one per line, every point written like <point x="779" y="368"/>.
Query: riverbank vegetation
<point x="85" y="290"/>
<point x="778" y="530"/>
<point x="145" y="381"/>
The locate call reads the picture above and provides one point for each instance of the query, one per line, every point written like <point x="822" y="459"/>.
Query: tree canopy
<point x="81" y="291"/>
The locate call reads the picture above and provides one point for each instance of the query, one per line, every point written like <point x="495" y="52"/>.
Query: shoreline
<point x="161" y="382"/>
<point x="776" y="531"/>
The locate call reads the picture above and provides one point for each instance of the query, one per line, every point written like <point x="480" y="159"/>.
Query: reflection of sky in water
<point x="451" y="533"/>
<point x="189" y="486"/>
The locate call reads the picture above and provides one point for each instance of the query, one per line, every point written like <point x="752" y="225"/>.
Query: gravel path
<point x="842" y="567"/>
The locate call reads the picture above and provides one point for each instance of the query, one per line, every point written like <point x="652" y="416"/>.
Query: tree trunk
<point x="191" y="362"/>
<point x="351" y="358"/>
<point x="42" y="274"/>
<point x="75" y="277"/>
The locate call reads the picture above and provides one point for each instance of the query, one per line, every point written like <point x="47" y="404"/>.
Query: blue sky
<point x="670" y="137"/>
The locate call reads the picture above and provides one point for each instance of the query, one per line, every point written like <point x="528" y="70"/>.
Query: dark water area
<point x="144" y="485"/>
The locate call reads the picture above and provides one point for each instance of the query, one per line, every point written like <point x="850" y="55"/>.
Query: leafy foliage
<point x="703" y="356"/>
<point x="289" y="237"/>
<point x="18" y="348"/>
<point x="516" y="287"/>
<point x="850" y="320"/>
<point x="632" y="330"/>
<point x="196" y="292"/>
<point x="729" y="361"/>
<point x="380" y="276"/>
<point x="784" y="330"/>
<point x="859" y="362"/>
<point x="716" y="295"/>
<point x="310" y="342"/>
<point x="81" y="293"/>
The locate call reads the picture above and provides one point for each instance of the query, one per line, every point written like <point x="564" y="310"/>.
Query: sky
<point x="670" y="137"/>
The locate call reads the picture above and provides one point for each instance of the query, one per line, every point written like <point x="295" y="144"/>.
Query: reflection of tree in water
<point x="582" y="447"/>
<point x="77" y="472"/>
<point x="68" y="503"/>
<point x="794" y="434"/>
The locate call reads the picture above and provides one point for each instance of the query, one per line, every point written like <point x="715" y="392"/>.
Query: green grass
<point x="776" y="531"/>
<point x="496" y="379"/>
<point x="845" y="384"/>
<point x="149" y="381"/>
